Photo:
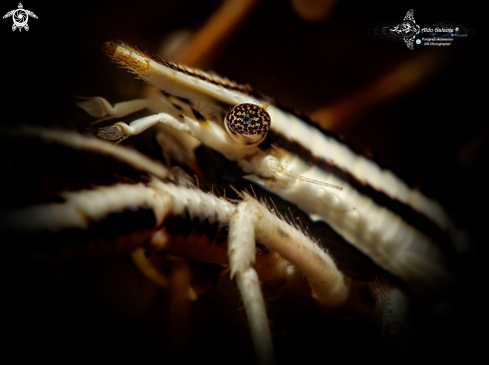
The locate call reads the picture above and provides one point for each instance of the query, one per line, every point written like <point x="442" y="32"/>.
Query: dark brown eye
<point x="248" y="123"/>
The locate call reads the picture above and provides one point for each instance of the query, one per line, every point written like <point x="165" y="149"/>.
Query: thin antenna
<point x="275" y="166"/>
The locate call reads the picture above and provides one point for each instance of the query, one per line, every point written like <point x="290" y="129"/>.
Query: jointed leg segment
<point x="241" y="251"/>
<point x="120" y="131"/>
<point x="99" y="107"/>
<point x="252" y="221"/>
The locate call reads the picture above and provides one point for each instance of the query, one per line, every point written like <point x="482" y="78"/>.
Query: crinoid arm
<point x="160" y="201"/>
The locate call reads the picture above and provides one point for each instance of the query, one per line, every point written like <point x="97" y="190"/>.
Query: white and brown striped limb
<point x="249" y="222"/>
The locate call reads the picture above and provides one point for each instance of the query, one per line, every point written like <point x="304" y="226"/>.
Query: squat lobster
<point x="376" y="226"/>
<point x="374" y="210"/>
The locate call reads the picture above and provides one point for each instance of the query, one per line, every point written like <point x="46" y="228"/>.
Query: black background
<point x="302" y="65"/>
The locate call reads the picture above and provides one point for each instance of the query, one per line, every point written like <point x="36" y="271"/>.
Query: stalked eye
<point x="248" y="123"/>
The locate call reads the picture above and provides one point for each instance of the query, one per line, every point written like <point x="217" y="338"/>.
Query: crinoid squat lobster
<point x="368" y="236"/>
<point x="368" y="207"/>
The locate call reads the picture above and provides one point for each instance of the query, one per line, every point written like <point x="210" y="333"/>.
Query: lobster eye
<point x="248" y="123"/>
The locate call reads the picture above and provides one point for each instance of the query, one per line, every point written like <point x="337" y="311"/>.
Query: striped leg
<point x="145" y="207"/>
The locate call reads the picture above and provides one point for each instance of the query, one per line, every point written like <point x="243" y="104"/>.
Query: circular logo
<point x="20" y="17"/>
